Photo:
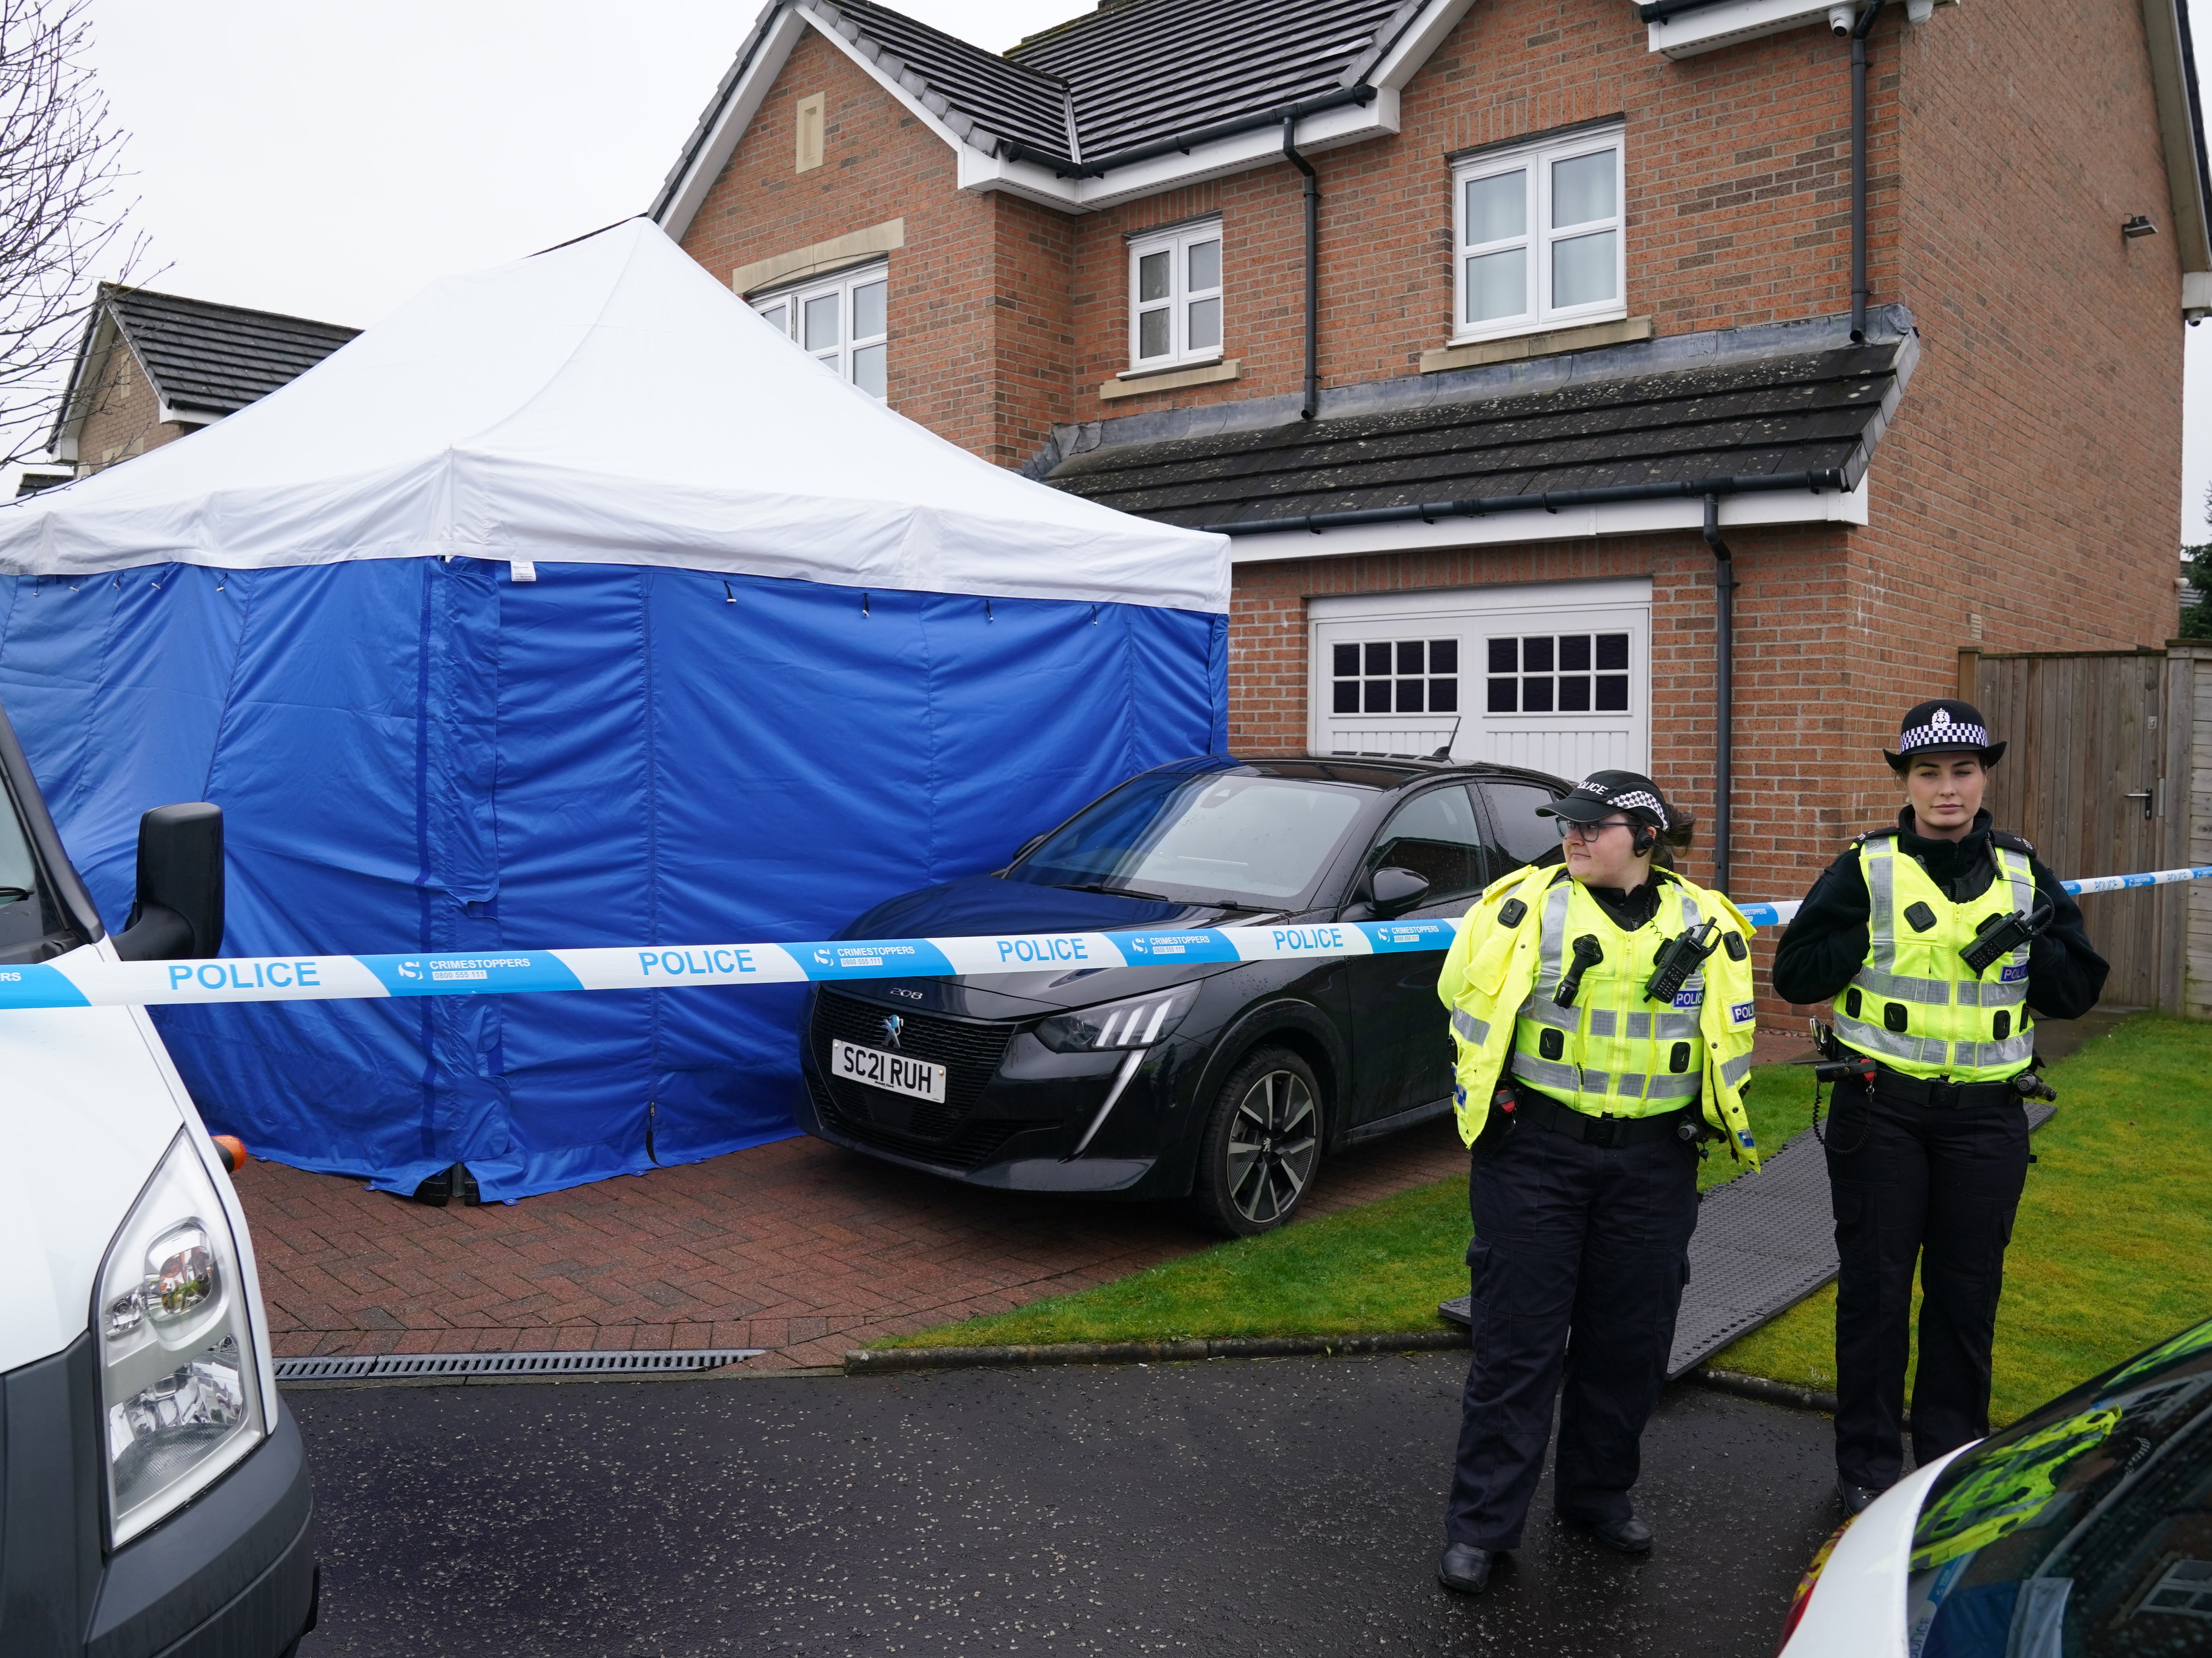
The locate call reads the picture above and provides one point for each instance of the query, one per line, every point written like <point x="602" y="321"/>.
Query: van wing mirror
<point x="1393" y="891"/>
<point x="177" y="911"/>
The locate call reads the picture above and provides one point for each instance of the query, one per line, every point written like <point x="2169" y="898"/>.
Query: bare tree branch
<point x="61" y="213"/>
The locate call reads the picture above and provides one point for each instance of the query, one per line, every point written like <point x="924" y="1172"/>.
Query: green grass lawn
<point x="2113" y="1250"/>
<point x="1381" y="1267"/>
<point x="2113" y="1247"/>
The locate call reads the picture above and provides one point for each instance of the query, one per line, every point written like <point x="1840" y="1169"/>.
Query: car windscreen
<point x="22" y="919"/>
<point x="2084" y="1528"/>
<point x="1239" y="838"/>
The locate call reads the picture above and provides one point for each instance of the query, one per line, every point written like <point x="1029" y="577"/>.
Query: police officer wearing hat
<point x="1939" y="939"/>
<point x="1601" y="1009"/>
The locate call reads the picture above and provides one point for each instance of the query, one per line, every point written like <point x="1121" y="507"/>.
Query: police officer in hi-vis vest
<point x="1601" y="1008"/>
<point x="1940" y="940"/>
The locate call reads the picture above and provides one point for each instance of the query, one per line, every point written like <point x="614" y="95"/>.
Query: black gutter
<point x="1859" y="170"/>
<point x="1183" y="142"/>
<point x="1658" y="11"/>
<point x="1830" y="478"/>
<point x="1723" y="689"/>
<point x="1312" y="265"/>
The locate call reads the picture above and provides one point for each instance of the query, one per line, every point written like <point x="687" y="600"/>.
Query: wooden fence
<point x="2109" y="772"/>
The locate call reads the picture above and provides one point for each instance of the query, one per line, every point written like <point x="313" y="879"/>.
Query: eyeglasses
<point x="1572" y="831"/>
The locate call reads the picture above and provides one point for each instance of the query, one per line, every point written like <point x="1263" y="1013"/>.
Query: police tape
<point x="87" y="981"/>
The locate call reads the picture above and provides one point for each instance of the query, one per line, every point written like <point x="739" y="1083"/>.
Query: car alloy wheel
<point x="1261" y="1144"/>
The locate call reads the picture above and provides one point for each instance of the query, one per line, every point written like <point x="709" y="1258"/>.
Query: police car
<point x="153" y="1494"/>
<point x="2082" y="1530"/>
<point x="1224" y="1081"/>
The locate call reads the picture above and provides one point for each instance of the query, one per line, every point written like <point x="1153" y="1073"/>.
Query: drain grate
<point x="386" y="1367"/>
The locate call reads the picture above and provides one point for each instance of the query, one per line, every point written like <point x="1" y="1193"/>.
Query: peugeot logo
<point x="893" y="1025"/>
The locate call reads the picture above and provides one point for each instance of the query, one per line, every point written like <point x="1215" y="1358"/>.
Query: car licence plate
<point x="916" y="1077"/>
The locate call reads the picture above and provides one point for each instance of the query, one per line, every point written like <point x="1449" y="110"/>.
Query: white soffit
<point x="1714" y="27"/>
<point x="1568" y="523"/>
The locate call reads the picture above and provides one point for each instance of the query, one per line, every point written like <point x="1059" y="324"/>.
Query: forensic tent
<point x="574" y="605"/>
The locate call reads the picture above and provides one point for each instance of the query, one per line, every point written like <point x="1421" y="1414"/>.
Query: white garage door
<point x="1554" y="675"/>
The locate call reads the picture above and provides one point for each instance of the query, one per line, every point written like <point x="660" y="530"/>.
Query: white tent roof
<point x="604" y="403"/>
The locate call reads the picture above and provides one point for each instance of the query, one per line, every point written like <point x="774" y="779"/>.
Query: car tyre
<point x="1261" y="1144"/>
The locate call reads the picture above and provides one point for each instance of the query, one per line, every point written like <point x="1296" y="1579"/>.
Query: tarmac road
<point x="1276" y="1507"/>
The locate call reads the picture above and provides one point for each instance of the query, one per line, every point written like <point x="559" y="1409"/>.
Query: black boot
<point x="1465" y="1569"/>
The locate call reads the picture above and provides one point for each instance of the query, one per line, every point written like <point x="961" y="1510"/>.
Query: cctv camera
<point x="1840" y="19"/>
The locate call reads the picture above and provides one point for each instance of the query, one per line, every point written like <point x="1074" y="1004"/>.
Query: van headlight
<point x="1138" y="1022"/>
<point x="179" y="1395"/>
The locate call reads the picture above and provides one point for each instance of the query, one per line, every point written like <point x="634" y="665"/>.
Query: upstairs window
<point x="1539" y="232"/>
<point x="1175" y="297"/>
<point x="843" y="323"/>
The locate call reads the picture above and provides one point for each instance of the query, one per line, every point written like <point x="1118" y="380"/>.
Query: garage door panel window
<point x="1398" y="676"/>
<point x="843" y="324"/>
<point x="1558" y="673"/>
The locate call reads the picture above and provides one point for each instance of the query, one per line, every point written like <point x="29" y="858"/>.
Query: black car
<point x="1222" y="1083"/>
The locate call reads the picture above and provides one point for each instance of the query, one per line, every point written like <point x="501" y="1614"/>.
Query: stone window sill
<point x="1475" y="353"/>
<point x="1172" y="379"/>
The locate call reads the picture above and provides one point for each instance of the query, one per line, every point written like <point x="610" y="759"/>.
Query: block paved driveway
<point x="797" y="1247"/>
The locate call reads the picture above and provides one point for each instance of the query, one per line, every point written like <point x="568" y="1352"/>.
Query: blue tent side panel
<point x="421" y="754"/>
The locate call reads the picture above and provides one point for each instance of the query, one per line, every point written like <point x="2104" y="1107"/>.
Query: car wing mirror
<point x="1393" y="891"/>
<point x="178" y="911"/>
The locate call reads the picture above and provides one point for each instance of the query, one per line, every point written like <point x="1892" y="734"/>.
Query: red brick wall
<point x="2032" y="474"/>
<point x="1738" y="199"/>
<point x="122" y="423"/>
<point x="979" y="294"/>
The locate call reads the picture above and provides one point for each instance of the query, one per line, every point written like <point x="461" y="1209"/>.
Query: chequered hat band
<point x="1634" y="799"/>
<point x="1955" y="735"/>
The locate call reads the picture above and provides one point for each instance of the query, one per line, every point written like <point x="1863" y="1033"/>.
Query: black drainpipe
<point x="1859" y="169"/>
<point x="1724" y="689"/>
<point x="1312" y="265"/>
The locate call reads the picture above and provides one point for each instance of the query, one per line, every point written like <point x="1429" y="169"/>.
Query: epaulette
<point x="1887" y="831"/>
<point x="2012" y="842"/>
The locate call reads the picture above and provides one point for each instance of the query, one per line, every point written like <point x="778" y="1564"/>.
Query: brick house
<point x="1578" y="329"/>
<point x="152" y="367"/>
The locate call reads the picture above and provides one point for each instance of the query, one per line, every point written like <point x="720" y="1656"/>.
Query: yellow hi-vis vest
<point x="1500" y="978"/>
<point x="1915" y="1004"/>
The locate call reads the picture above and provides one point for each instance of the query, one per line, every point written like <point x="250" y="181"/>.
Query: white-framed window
<point x="1175" y="297"/>
<point x="842" y="322"/>
<point x="1540" y="237"/>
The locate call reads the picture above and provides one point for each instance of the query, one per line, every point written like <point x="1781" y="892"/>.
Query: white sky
<point x="329" y="160"/>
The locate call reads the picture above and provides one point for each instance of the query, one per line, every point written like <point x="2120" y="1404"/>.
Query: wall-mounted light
<point x="2138" y="226"/>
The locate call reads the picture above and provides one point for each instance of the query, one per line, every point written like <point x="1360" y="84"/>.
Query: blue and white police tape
<point x="84" y="980"/>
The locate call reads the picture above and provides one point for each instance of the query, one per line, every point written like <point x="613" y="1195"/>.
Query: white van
<point x="153" y="1494"/>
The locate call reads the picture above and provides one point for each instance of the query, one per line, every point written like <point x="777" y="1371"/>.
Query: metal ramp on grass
<point x="1763" y="1242"/>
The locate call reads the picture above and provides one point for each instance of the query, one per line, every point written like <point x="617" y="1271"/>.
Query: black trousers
<point x="1577" y="1265"/>
<point x="1915" y="1183"/>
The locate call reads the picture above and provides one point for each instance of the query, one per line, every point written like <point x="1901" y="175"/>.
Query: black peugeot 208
<point x="1224" y="1083"/>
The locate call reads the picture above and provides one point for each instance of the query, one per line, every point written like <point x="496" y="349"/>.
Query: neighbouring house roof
<point x="1132" y="82"/>
<point x="1783" y="413"/>
<point x="203" y="360"/>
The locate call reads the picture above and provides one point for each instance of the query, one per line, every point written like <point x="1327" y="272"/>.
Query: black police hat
<point x="1946" y="725"/>
<point x="1603" y="793"/>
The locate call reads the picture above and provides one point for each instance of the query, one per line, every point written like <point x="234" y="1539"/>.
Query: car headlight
<point x="179" y="1386"/>
<point x="1138" y="1022"/>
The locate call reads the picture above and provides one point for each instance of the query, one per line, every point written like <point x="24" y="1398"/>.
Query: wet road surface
<point x="1276" y="1507"/>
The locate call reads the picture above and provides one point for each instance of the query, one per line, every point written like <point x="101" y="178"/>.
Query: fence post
<point x="2189" y="817"/>
<point x="1969" y="675"/>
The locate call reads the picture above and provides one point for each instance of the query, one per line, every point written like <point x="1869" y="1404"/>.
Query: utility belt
<point x="1523" y="1104"/>
<point x="1842" y="1064"/>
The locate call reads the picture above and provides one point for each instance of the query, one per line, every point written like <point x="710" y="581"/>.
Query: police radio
<point x="1679" y="957"/>
<point x="2000" y="935"/>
